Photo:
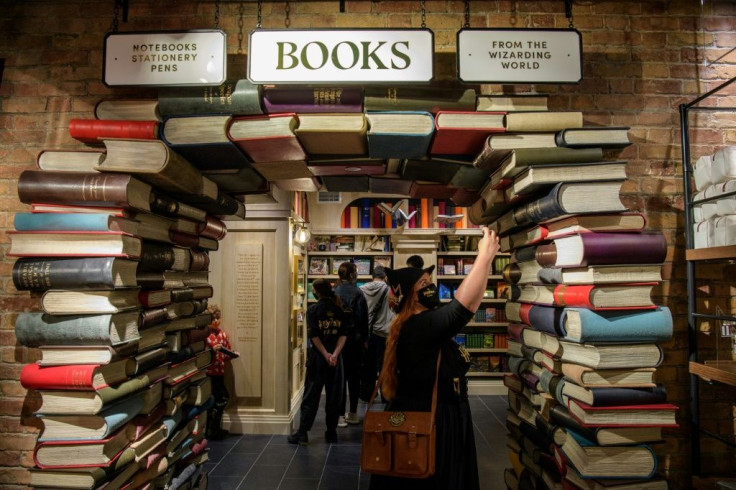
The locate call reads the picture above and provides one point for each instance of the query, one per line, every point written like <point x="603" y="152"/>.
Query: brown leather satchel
<point x="400" y="443"/>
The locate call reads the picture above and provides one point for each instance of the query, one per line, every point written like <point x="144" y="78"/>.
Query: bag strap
<point x="434" y="390"/>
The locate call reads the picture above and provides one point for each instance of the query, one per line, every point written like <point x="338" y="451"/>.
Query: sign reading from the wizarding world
<point x="197" y="57"/>
<point x="340" y="56"/>
<point x="519" y="56"/>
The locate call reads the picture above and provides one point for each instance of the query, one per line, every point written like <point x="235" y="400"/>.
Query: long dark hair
<point x="389" y="370"/>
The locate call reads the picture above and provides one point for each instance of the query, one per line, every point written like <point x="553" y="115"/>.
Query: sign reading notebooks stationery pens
<point x="519" y="56"/>
<point x="172" y="58"/>
<point x="340" y="55"/>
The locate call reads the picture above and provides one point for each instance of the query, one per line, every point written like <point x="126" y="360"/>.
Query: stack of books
<point x="119" y="262"/>
<point x="584" y="335"/>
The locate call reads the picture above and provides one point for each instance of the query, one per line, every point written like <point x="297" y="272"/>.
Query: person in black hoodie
<point x="326" y="332"/>
<point x="356" y="312"/>
<point x="377" y="297"/>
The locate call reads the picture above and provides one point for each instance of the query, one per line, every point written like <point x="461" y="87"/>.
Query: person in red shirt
<point x="219" y="342"/>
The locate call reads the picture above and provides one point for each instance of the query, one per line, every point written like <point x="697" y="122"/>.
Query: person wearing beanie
<point x="421" y="330"/>
<point x="326" y="332"/>
<point x="379" y="321"/>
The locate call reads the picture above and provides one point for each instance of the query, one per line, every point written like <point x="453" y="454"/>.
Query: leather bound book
<point x="94" y="130"/>
<point x="233" y="97"/>
<point x="603" y="248"/>
<point x="280" y="99"/>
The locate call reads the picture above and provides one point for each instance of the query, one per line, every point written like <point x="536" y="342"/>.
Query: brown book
<point x="511" y="103"/>
<point x="84" y="189"/>
<point x="623" y="378"/>
<point x="153" y="162"/>
<point x="284" y="170"/>
<point x="543" y="121"/>
<point x="128" y="110"/>
<point x="333" y="133"/>
<point x="67" y="302"/>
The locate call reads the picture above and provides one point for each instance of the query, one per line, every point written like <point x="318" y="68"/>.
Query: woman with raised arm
<point x="421" y="330"/>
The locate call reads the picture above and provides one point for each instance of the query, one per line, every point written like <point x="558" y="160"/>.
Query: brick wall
<point x="641" y="60"/>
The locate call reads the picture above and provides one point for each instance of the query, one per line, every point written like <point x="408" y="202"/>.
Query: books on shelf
<point x="533" y="177"/>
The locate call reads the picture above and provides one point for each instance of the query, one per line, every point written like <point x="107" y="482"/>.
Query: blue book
<point x="615" y="462"/>
<point x="365" y="213"/>
<point x="399" y="134"/>
<point x="74" y="222"/>
<point x="642" y="326"/>
<point x="90" y="427"/>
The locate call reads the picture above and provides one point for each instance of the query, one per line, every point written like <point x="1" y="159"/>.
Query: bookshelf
<point x="298" y="318"/>
<point x="709" y="377"/>
<point x="390" y="247"/>
<point x="485" y="337"/>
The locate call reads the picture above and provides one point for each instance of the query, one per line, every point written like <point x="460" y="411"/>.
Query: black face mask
<point x="429" y="297"/>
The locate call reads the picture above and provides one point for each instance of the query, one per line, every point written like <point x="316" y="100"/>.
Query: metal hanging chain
<point x="287" y="11"/>
<point x="258" y="16"/>
<point x="217" y="14"/>
<point x="115" y="13"/>
<point x="424" y="14"/>
<point x="241" y="11"/>
<point x="568" y="13"/>
<point x="467" y="14"/>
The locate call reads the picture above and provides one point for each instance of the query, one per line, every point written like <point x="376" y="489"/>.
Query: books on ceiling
<point x="128" y="109"/>
<point x="333" y="133"/>
<point x="607" y="137"/>
<point x="267" y="138"/>
<point x="463" y="133"/>
<point x="542" y="121"/>
<point x="395" y="134"/>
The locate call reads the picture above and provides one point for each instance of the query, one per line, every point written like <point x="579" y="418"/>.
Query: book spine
<point x="618" y="248"/>
<point x="77" y="188"/>
<point x="544" y="208"/>
<point x="543" y="318"/>
<point x="232" y="97"/>
<point x="576" y="296"/>
<point x="156" y="257"/>
<point x="313" y="99"/>
<point x="62" y="221"/>
<point x="37" y="329"/>
<point x="620" y="326"/>
<point x="424" y="212"/>
<point x="365" y="213"/>
<point x="70" y="377"/>
<point x="93" y="130"/>
<point x="41" y="274"/>
<point x="613" y="397"/>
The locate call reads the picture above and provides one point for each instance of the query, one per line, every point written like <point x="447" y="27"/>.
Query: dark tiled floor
<point x="263" y="462"/>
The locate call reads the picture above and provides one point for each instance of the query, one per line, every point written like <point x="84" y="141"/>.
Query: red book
<point x="413" y="219"/>
<point x="378" y="218"/>
<point x="87" y="377"/>
<point x="654" y="415"/>
<point x="155" y="297"/>
<point x="442" y="208"/>
<point x="81" y="454"/>
<point x="93" y="130"/>
<point x="464" y="133"/>
<point x="267" y="138"/>
<point x="594" y="297"/>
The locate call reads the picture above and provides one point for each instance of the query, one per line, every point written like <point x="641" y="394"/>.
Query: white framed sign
<point x="340" y="55"/>
<point x="519" y="56"/>
<point x="172" y="58"/>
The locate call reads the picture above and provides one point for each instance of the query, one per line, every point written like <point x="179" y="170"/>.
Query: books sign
<point x="340" y="56"/>
<point x="519" y="56"/>
<point x="171" y="58"/>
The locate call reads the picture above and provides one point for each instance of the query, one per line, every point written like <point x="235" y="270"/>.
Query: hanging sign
<point x="519" y="55"/>
<point x="340" y="56"/>
<point x="173" y="58"/>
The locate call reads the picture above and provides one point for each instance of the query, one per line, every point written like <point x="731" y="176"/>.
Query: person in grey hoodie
<point x="380" y="317"/>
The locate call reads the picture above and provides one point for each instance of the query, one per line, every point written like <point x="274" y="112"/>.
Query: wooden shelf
<point x="342" y="253"/>
<point x="478" y="374"/>
<point x="487" y="324"/>
<point x="721" y="371"/>
<point x="712" y="253"/>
